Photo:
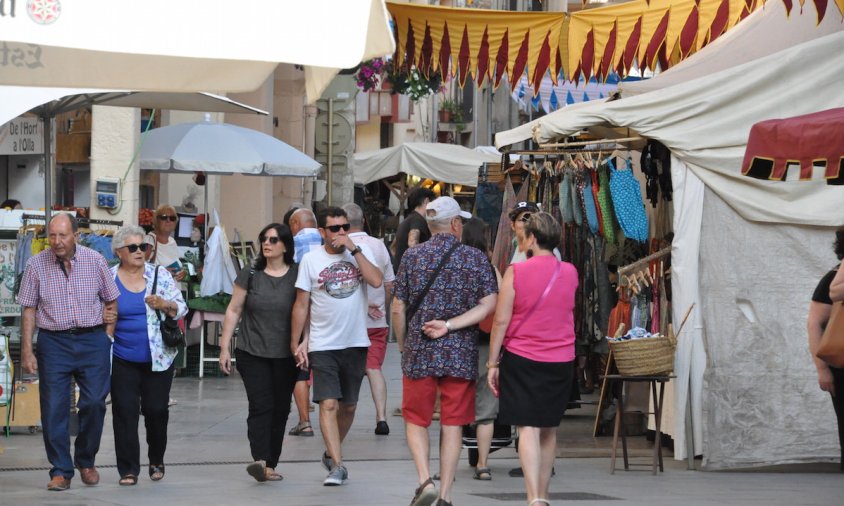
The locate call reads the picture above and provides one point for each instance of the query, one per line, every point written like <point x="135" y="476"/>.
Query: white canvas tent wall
<point x="761" y="246"/>
<point x="449" y="163"/>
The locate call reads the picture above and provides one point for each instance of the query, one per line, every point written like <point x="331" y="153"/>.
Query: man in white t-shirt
<point x="376" y="321"/>
<point x="331" y="291"/>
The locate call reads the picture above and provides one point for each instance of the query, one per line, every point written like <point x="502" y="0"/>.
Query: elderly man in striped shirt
<point x="67" y="291"/>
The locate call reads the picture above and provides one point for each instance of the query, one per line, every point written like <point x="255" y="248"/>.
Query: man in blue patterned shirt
<point x="440" y="346"/>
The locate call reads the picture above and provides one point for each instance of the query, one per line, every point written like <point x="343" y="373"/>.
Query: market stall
<point x="750" y="404"/>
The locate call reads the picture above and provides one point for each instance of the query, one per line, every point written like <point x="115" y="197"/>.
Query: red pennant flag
<point x="445" y="53"/>
<point x="689" y="33"/>
<point x="483" y="58"/>
<point x="543" y="60"/>
<point x="501" y="58"/>
<point x="520" y="63"/>
<point x="463" y="57"/>
<point x="657" y="41"/>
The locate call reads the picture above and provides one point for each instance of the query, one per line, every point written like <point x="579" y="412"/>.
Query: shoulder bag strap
<point x="155" y="288"/>
<point x="540" y="299"/>
<point x="418" y="302"/>
<point x="154" y="250"/>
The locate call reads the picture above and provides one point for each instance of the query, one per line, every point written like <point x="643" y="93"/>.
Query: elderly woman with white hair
<point x="142" y="365"/>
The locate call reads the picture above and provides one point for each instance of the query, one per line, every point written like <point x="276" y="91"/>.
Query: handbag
<point x="171" y="334"/>
<point x="831" y="348"/>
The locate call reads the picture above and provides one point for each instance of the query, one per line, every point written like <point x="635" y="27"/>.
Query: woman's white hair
<point x="125" y="232"/>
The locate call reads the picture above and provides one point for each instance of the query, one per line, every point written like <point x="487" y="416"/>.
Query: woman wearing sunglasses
<point x="163" y="248"/>
<point x="142" y="367"/>
<point x="262" y="300"/>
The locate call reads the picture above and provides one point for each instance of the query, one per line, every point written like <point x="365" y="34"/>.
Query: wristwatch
<point x="356" y="250"/>
<point x="448" y="326"/>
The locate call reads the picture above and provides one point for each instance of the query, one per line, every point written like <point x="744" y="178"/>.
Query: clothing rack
<point x="588" y="143"/>
<point x="637" y="265"/>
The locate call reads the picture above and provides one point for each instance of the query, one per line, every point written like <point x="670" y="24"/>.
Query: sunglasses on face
<point x="166" y="218"/>
<point x="525" y="218"/>
<point x="144" y="247"/>
<point x="336" y="228"/>
<point x="273" y="240"/>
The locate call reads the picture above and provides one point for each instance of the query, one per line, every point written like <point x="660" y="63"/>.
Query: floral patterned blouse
<point x="167" y="289"/>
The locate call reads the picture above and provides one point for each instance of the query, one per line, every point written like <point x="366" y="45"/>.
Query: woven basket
<point x="645" y="357"/>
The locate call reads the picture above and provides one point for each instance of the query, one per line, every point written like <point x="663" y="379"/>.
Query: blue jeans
<point x="86" y="358"/>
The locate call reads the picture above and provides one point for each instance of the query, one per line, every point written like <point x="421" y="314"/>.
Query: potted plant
<point x="447" y="109"/>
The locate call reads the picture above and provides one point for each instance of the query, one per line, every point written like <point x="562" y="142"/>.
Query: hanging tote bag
<point x="171" y="334"/>
<point x="831" y="348"/>
<point x="589" y="203"/>
<point x="627" y="201"/>
<point x="605" y="204"/>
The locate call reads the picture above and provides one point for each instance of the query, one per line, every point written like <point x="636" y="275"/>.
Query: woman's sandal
<point x="302" y="429"/>
<point x="156" y="472"/>
<point x="539" y="501"/>
<point x="128" y="480"/>
<point x="271" y="475"/>
<point x="483" y="474"/>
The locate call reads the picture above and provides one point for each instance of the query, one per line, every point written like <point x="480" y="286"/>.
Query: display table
<point x="200" y="318"/>
<point x="619" y="417"/>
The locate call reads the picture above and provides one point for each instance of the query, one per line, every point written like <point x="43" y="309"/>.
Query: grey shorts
<point x="338" y="374"/>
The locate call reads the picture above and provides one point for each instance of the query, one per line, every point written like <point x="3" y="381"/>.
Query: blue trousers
<point x="85" y="358"/>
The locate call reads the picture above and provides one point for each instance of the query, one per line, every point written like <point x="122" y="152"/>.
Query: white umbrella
<point x="221" y="148"/>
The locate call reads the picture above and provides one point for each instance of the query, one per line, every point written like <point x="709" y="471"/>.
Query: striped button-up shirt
<point x="67" y="301"/>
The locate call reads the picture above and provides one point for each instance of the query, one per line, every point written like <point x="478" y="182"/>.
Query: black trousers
<point x="838" y="404"/>
<point x="136" y="389"/>
<point x="269" y="386"/>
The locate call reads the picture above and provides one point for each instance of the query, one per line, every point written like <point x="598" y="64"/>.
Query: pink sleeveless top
<point x="548" y="333"/>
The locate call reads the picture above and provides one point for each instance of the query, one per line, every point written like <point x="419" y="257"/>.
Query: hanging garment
<point x="605" y="205"/>
<point x="595" y="188"/>
<point x="589" y="209"/>
<point x="503" y="248"/>
<point x="566" y="209"/>
<point x="627" y="201"/>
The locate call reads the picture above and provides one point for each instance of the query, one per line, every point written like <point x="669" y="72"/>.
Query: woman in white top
<point x="164" y="251"/>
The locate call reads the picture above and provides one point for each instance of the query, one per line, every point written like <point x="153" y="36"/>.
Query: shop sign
<point x="21" y="136"/>
<point x="8" y="303"/>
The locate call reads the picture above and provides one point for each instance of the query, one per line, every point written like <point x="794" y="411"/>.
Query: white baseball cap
<point x="444" y="208"/>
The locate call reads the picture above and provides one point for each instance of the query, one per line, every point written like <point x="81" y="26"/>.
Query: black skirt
<point x="531" y="393"/>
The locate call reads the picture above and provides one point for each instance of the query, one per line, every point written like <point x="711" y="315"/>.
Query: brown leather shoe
<point x="90" y="475"/>
<point x="58" y="483"/>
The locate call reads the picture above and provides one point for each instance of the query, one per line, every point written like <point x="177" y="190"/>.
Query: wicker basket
<point x="645" y="357"/>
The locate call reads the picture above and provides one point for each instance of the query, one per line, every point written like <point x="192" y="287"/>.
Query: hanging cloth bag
<point x="627" y="201"/>
<point x="605" y="204"/>
<point x="565" y="198"/>
<point x="589" y="203"/>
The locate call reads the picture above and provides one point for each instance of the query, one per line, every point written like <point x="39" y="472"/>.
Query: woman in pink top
<point x="534" y="322"/>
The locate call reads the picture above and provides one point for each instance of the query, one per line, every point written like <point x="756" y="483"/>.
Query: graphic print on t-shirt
<point x="340" y="279"/>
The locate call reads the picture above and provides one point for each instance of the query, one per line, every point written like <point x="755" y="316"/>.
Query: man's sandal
<point x="425" y="494"/>
<point x="302" y="429"/>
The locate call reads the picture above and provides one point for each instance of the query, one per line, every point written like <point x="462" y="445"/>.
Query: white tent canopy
<point x="190" y="45"/>
<point x="761" y="404"/>
<point x="449" y="163"/>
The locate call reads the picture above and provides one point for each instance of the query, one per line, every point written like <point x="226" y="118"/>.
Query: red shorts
<point x="457" y="400"/>
<point x="378" y="348"/>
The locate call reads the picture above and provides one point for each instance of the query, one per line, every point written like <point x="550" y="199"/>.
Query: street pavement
<point x="208" y="451"/>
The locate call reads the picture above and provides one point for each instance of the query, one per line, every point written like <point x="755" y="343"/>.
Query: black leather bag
<point x="171" y="333"/>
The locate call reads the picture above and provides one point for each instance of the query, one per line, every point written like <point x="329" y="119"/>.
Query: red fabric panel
<point x="543" y="60"/>
<point x="820" y="6"/>
<point x="483" y="58"/>
<point x="657" y="41"/>
<point x="425" y="58"/>
<point x="445" y="53"/>
<point x="719" y="23"/>
<point x="501" y="58"/>
<point x="629" y="55"/>
<point x="802" y="139"/>
<point x="788" y="6"/>
<point x="689" y="32"/>
<point x="463" y="57"/>
<point x="587" y="57"/>
<point x="609" y="49"/>
<point x="411" y="46"/>
<point x="520" y="62"/>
